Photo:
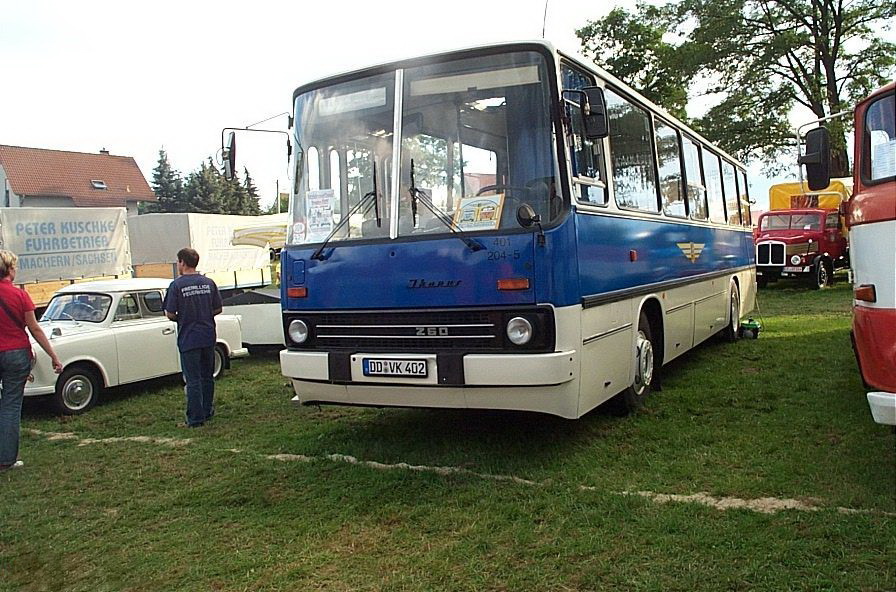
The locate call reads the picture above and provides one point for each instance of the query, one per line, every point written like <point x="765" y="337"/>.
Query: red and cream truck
<point x="803" y="234"/>
<point x="871" y="219"/>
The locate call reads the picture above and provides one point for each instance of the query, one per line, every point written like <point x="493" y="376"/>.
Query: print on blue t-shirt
<point x="194" y="298"/>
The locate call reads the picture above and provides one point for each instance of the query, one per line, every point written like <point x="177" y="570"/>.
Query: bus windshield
<point x="476" y="143"/>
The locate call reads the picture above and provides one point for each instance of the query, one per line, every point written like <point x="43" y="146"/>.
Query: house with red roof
<point x="37" y="177"/>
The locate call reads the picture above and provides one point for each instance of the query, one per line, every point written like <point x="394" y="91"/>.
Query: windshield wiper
<point x="438" y="213"/>
<point x="318" y="254"/>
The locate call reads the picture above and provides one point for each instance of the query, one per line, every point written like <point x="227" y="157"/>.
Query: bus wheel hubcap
<point x="645" y="363"/>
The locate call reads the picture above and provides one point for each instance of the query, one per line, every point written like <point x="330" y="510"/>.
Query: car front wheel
<point x="77" y="390"/>
<point x="220" y="362"/>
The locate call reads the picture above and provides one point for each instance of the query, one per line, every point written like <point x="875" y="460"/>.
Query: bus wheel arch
<point x="648" y="359"/>
<point x="654" y="311"/>
<point x="78" y="387"/>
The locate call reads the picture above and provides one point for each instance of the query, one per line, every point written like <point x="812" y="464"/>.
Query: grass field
<point x="269" y="497"/>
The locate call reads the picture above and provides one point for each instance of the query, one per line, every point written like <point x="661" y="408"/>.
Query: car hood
<point x="57" y="329"/>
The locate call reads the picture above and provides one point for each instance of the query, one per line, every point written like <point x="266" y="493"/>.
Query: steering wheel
<point x="500" y="187"/>
<point x="84" y="310"/>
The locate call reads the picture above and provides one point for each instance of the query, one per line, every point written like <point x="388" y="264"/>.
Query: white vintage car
<point x="112" y="332"/>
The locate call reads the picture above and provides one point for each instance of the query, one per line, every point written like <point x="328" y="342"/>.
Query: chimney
<point x="104" y="151"/>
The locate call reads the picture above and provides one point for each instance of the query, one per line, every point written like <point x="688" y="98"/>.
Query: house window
<point x="98" y="183"/>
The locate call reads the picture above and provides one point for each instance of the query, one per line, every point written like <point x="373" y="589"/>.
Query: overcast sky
<point x="135" y="77"/>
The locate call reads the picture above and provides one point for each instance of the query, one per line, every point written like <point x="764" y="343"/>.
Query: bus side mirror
<point x="228" y="154"/>
<point x="595" y="111"/>
<point x="817" y="158"/>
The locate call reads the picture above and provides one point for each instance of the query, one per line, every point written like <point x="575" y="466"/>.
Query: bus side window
<point x="669" y="161"/>
<point x="713" y="176"/>
<point x="632" y="155"/>
<point x="586" y="156"/>
<point x="696" y="191"/>
<point x="744" y="197"/>
<point x="732" y="204"/>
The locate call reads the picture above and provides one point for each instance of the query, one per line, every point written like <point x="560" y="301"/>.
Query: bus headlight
<point x="519" y="331"/>
<point x="795" y="260"/>
<point x="298" y="331"/>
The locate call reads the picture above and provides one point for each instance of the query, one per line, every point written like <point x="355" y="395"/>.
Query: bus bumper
<point x="533" y="382"/>
<point x="883" y="407"/>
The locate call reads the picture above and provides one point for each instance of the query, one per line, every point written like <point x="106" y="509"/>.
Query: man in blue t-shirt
<point x="193" y="301"/>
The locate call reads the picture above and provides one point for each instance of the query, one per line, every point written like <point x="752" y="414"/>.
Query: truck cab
<point x="805" y="243"/>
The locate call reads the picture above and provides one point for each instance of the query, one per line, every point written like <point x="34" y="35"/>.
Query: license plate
<point x="394" y="367"/>
<point x="793" y="269"/>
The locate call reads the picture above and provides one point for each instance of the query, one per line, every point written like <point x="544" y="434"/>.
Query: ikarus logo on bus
<point x="691" y="250"/>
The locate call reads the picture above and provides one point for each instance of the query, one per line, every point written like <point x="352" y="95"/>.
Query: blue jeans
<point x="198" y="366"/>
<point x="15" y="366"/>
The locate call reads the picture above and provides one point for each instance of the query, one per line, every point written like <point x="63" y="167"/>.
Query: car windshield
<point x="791" y="222"/>
<point x="86" y="306"/>
<point x="476" y="143"/>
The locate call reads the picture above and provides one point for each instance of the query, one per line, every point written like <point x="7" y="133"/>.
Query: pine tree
<point x="233" y="196"/>
<point x="252" y="206"/>
<point x="204" y="190"/>
<point x="168" y="186"/>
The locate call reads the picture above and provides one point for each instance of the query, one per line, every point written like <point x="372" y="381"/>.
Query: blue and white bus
<point x="505" y="227"/>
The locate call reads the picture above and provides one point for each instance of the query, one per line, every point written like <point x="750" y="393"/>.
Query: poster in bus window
<point x="319" y="214"/>
<point x="479" y="213"/>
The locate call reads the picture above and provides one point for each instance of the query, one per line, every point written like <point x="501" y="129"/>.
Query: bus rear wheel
<point x="732" y="330"/>
<point x="632" y="398"/>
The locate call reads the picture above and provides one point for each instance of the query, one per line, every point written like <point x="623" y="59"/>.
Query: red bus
<point x="871" y="220"/>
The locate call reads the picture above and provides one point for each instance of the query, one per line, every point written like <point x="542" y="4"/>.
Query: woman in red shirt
<point x="16" y="313"/>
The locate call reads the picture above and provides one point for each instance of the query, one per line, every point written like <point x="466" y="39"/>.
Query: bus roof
<point x="537" y="45"/>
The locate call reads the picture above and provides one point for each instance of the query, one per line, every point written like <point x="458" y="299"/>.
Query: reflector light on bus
<point x="300" y="292"/>
<point x="513" y="284"/>
<point x="866" y="293"/>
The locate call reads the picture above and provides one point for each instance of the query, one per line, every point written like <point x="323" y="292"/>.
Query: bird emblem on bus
<point x="691" y="250"/>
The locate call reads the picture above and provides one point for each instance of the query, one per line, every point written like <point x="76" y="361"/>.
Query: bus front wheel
<point x="632" y="398"/>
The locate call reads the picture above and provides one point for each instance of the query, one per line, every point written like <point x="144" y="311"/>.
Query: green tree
<point x="252" y="206"/>
<point x="760" y="58"/>
<point x="233" y="195"/>
<point x="631" y="47"/>
<point x="205" y="190"/>
<point x="168" y="186"/>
